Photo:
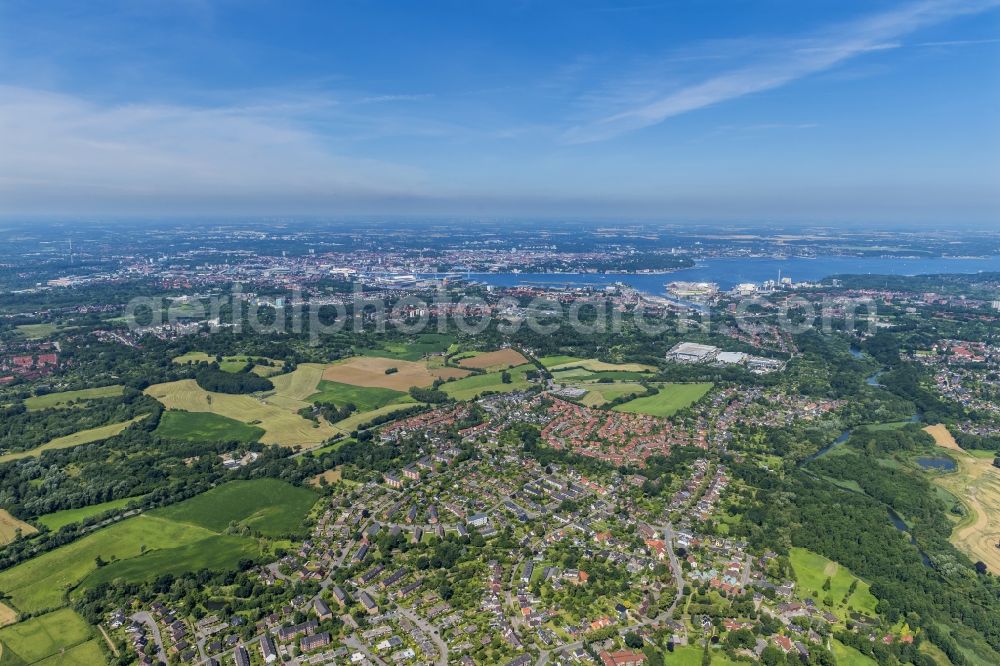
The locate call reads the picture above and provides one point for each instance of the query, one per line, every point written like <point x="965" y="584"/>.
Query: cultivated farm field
<point x="470" y="387"/>
<point x="494" y="360"/>
<point x="41" y="582"/>
<point x="976" y="483"/>
<point x="370" y="371"/>
<point x="9" y="526"/>
<point x="58" y="637"/>
<point x="365" y="398"/>
<point x="182" y="537"/>
<point x="205" y="427"/>
<point x="269" y="506"/>
<point x="57" y="519"/>
<point x="594" y="365"/>
<point x="274" y="413"/>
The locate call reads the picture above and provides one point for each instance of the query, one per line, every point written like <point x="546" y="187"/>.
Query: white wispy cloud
<point x="788" y="60"/>
<point x="61" y="149"/>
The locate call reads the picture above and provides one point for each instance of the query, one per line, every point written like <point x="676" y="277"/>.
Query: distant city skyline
<point x="881" y="112"/>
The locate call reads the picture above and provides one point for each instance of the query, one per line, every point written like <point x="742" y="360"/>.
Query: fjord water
<point x="730" y="271"/>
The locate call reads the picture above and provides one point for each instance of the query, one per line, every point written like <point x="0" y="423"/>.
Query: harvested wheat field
<point x="7" y="615"/>
<point x="942" y="437"/>
<point x="9" y="526"/>
<point x="976" y="483"/>
<point x="370" y="371"/>
<point x="300" y="383"/>
<point x="494" y="360"/>
<point x="275" y="413"/>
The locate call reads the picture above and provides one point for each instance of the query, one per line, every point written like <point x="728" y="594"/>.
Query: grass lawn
<point x="474" y="385"/>
<point x="811" y="572"/>
<point x="44" y="637"/>
<point x="848" y="656"/>
<point x="60" y="399"/>
<point x="205" y="427"/>
<point x="671" y="399"/>
<point x="683" y="655"/>
<point x="365" y="398"/>
<point x="68" y="516"/>
<point x="42" y="581"/>
<point x="75" y="439"/>
<point x="268" y="506"/>
<point x="9" y="525"/>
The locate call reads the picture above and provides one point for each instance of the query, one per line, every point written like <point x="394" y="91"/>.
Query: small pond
<point x="940" y="464"/>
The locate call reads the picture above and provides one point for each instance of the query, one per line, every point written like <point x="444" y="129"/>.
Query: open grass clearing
<point x="63" y="398"/>
<point x="371" y="371"/>
<point x="812" y="571"/>
<point x="494" y="360"/>
<point x="74" y="439"/>
<point x="205" y="427"/>
<point x="7" y="615"/>
<point x="10" y="527"/>
<point x="57" y="519"/>
<point x="365" y="398"/>
<point x="671" y="399"/>
<point x="47" y="637"/>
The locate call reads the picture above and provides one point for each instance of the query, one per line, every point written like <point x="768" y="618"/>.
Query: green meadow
<point x="68" y="516"/>
<point x="42" y="582"/>
<point x="268" y="506"/>
<point x="365" y="398"/>
<point x="671" y="399"/>
<point x="183" y="537"/>
<point x="62" y="399"/>
<point x="472" y="386"/>
<point x="205" y="427"/>
<point x="812" y="571"/>
<point x="59" y="637"/>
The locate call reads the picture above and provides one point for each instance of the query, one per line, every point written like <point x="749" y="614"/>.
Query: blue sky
<point x="708" y="110"/>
